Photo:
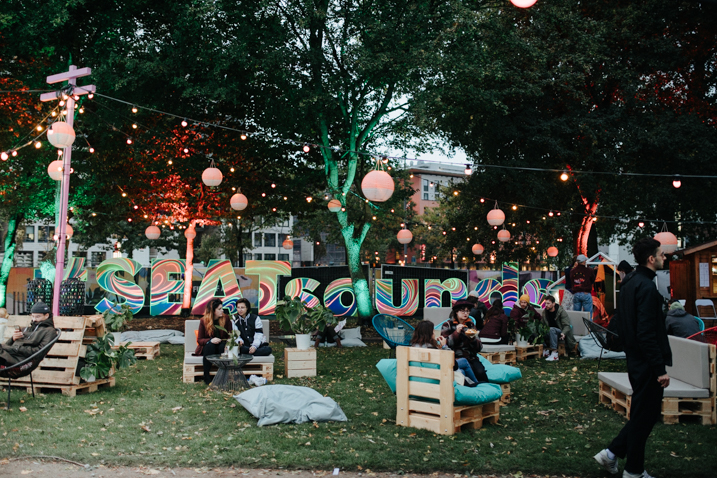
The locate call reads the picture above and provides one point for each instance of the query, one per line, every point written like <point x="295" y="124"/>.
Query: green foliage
<point x="100" y="359"/>
<point x="117" y="321"/>
<point x="295" y="315"/>
<point x="535" y="331"/>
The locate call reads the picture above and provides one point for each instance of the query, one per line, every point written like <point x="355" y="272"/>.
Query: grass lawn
<point x="554" y="425"/>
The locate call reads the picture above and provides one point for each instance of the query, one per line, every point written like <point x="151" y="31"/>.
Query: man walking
<point x="642" y="329"/>
<point x="581" y="283"/>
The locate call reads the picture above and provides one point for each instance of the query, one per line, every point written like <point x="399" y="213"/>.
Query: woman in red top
<point x="211" y="340"/>
<point x="495" y="328"/>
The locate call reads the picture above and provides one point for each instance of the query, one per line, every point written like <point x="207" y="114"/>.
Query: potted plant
<point x="232" y="348"/>
<point x="101" y="361"/>
<point x="533" y="332"/>
<point x="295" y="315"/>
<point x="116" y="321"/>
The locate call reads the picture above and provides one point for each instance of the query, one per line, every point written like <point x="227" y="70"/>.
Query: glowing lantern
<point x="552" y="251"/>
<point x="404" y="236"/>
<point x="503" y="235"/>
<point x="69" y="231"/>
<point x="55" y="170"/>
<point x="61" y="135"/>
<point x="377" y="186"/>
<point x="190" y="233"/>
<point x="667" y="240"/>
<point x="239" y="201"/>
<point x="334" y="205"/>
<point x="212" y="176"/>
<point x="477" y="249"/>
<point x="496" y="217"/>
<point x="523" y="3"/>
<point x="288" y="244"/>
<point x="152" y="232"/>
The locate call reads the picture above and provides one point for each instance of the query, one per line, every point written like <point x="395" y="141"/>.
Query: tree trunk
<point x="359" y="282"/>
<point x="581" y="242"/>
<point x="189" y="270"/>
<point x="10" y="243"/>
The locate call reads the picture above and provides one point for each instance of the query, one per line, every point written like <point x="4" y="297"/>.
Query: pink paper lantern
<point x="552" y="251"/>
<point x="377" y="186"/>
<point x="523" y="3"/>
<point x="55" y="170"/>
<point x="239" y="202"/>
<point x="152" y="232"/>
<point x="61" y="135"/>
<point x="667" y="240"/>
<point x="404" y="236"/>
<point x="334" y="205"/>
<point x="212" y="176"/>
<point x="69" y="231"/>
<point x="477" y="249"/>
<point x="288" y="244"/>
<point x="503" y="235"/>
<point x="190" y="233"/>
<point x="496" y="217"/>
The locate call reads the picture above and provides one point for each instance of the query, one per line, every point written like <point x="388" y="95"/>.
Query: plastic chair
<point x="26" y="367"/>
<point x="599" y="335"/>
<point x="393" y="331"/>
<point x="702" y="324"/>
<point x="707" y="304"/>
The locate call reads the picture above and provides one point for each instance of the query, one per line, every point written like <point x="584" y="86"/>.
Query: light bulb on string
<point x="550" y="214"/>
<point x="468" y="171"/>
<point x="564" y="177"/>
<point x="309" y="199"/>
<point x="38" y="145"/>
<point x="273" y="185"/>
<point x="231" y="170"/>
<point x="306" y="148"/>
<point x="61" y="103"/>
<point x="124" y="195"/>
<point x="243" y="136"/>
<point x="54" y="113"/>
<point x="129" y="140"/>
<point x="676" y="183"/>
<point x="170" y="162"/>
<point x="39" y="127"/>
<point x="136" y="207"/>
<point x="184" y="123"/>
<point x="90" y="96"/>
<point x="134" y="109"/>
<point x="14" y="153"/>
<point x="134" y="125"/>
<point x="186" y="150"/>
<point x="640" y="224"/>
<point x="4" y="156"/>
<point x="81" y="110"/>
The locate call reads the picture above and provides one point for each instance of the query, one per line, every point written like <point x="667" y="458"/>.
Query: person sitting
<point x="210" y="339"/>
<point x="423" y="337"/>
<point x="495" y="328"/>
<point x="523" y="311"/>
<point x="24" y="343"/>
<point x="464" y="346"/>
<point x="251" y="330"/>
<point x="479" y="309"/>
<point x="557" y="319"/>
<point x="680" y="323"/>
<point x="330" y="334"/>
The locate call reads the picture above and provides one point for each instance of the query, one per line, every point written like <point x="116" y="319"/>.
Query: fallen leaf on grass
<point x="146" y="428"/>
<point x="4" y="461"/>
<point x="176" y="409"/>
<point x="23" y="409"/>
<point x="368" y="390"/>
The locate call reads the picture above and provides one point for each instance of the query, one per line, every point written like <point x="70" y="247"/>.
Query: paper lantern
<point x="212" y="176"/>
<point x="477" y="249"/>
<point x="288" y="244"/>
<point x="152" y="232"/>
<point x="190" y="233"/>
<point x="55" y="170"/>
<point x="334" y="205"/>
<point x="496" y="216"/>
<point x="69" y="231"/>
<point x="503" y="235"/>
<point x="239" y="202"/>
<point x="404" y="236"/>
<point x="667" y="240"/>
<point x="523" y="3"/>
<point x="61" y="135"/>
<point x="377" y="186"/>
<point x="552" y="251"/>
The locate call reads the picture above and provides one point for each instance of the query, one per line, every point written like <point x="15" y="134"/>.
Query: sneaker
<point x="609" y="465"/>
<point x="554" y="357"/>
<point x="644" y="474"/>
<point x="546" y="352"/>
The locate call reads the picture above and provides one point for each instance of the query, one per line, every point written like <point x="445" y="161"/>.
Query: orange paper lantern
<point x="212" y="176"/>
<point x="377" y="186"/>
<point x="496" y="216"/>
<point x="667" y="240"/>
<point x="239" y="202"/>
<point x="477" y="249"/>
<point x="55" y="170"/>
<point x="288" y="244"/>
<point x="503" y="235"/>
<point x="190" y="233"/>
<point x="552" y="251"/>
<point x="152" y="232"/>
<point x="523" y="3"/>
<point x="404" y="236"/>
<point x="61" y="135"/>
<point x="334" y="205"/>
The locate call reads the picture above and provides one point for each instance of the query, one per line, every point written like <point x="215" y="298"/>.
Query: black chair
<point x="600" y="336"/>
<point x="26" y="367"/>
<point x="393" y="331"/>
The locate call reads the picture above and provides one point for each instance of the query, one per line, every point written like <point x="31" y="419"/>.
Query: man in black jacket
<point x="642" y="329"/>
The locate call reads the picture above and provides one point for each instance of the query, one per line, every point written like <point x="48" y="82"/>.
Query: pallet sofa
<point x="193" y="371"/>
<point x="692" y="390"/>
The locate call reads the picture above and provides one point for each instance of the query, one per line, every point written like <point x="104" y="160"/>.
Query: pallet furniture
<point x="429" y="406"/>
<point x="142" y="350"/>
<point x="58" y="370"/>
<point x="505" y="399"/>
<point x="95" y="328"/>
<point x="193" y="370"/>
<point x="299" y="362"/>
<point x="531" y="351"/>
<point x="692" y="390"/>
<point x="501" y="354"/>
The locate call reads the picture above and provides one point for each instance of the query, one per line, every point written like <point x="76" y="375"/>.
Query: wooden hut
<point x="694" y="276"/>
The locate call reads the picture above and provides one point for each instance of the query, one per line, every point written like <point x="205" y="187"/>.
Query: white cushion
<point x="354" y="333"/>
<point x="487" y="348"/>
<point x="690" y="361"/>
<point x="677" y="388"/>
<point x="576" y="320"/>
<point x="190" y="339"/>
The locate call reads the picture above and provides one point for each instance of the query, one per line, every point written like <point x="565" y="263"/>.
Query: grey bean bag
<point x="289" y="404"/>
<point x="162" y="336"/>
<point x="590" y="350"/>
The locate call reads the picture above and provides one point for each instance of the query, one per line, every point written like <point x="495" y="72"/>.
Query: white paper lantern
<point x="477" y="249"/>
<point x="239" y="202"/>
<point x="61" y="135"/>
<point x="552" y="251"/>
<point x="404" y="236"/>
<point x="496" y="217"/>
<point x="55" y="170"/>
<point x="334" y="205"/>
<point x="69" y="231"/>
<point x="152" y="232"/>
<point x="377" y="186"/>
<point x="212" y="176"/>
<point x="523" y="3"/>
<point x="667" y="240"/>
<point x="190" y="233"/>
<point x="288" y="244"/>
<point x="503" y="235"/>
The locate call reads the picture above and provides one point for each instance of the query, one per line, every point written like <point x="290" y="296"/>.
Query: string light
<point x="308" y="199"/>
<point x="90" y="96"/>
<point x="38" y="145"/>
<point x="273" y="185"/>
<point x="468" y="170"/>
<point x="186" y="150"/>
<point x="306" y="148"/>
<point x="550" y="214"/>
<point x="124" y="195"/>
<point x="243" y="137"/>
<point x="184" y="123"/>
<point x="134" y="125"/>
<point x="134" y="109"/>
<point x="641" y="224"/>
<point x="81" y="110"/>
<point x="4" y="156"/>
<point x="136" y="207"/>
<point x="170" y="162"/>
<point x="231" y="169"/>
<point x="515" y="208"/>
<point x="129" y="219"/>
<point x="676" y="183"/>
<point x="129" y="140"/>
<point x="14" y="153"/>
<point x="39" y="127"/>
<point x="564" y="177"/>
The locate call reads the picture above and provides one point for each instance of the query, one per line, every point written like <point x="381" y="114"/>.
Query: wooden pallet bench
<point x="505" y="398"/>
<point x="95" y="328"/>
<point x="531" y="351"/>
<point x="70" y="391"/>
<point x="142" y="350"/>
<point x="505" y="357"/>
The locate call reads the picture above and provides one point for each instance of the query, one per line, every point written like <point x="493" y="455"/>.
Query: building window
<point x="257" y="257"/>
<point x="282" y="238"/>
<point x="257" y="239"/>
<point x="425" y="196"/>
<point x="29" y="233"/>
<point x="96" y="258"/>
<point x="283" y="257"/>
<point x="425" y="185"/>
<point x="269" y="239"/>
<point x="23" y="259"/>
<point x="45" y="233"/>
<point x="269" y="257"/>
<point x="247" y="257"/>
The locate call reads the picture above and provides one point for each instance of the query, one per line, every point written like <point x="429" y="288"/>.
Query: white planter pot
<point x="520" y="341"/>
<point x="303" y="341"/>
<point x="233" y="352"/>
<point x="117" y="337"/>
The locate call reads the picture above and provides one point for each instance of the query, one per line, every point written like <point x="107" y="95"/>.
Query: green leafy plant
<point x="100" y="359"/>
<point x="117" y="321"/>
<point x="295" y="315"/>
<point x="535" y="331"/>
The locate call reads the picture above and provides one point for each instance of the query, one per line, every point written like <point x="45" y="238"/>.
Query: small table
<point x="230" y="376"/>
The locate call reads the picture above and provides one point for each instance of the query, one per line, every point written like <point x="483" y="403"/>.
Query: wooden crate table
<point x="299" y="363"/>
<point x="529" y="352"/>
<point x="145" y="350"/>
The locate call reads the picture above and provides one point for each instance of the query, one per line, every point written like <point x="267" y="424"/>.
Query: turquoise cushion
<point x="500" y="373"/>
<point x="483" y="393"/>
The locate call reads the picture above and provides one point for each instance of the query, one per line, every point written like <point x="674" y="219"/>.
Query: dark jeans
<point x="478" y="369"/>
<point x="644" y="413"/>
<point x="262" y="351"/>
<point x="210" y="349"/>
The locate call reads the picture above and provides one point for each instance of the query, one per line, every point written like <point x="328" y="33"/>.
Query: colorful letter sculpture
<point x="435" y="288"/>
<point x="409" y="297"/>
<point x="218" y="272"/>
<point x="298" y="288"/>
<point x="267" y="271"/>
<point x="333" y="294"/>
<point x="109" y="279"/>
<point x="163" y="285"/>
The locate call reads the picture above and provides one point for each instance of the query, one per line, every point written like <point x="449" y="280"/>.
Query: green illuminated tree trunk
<point x="10" y="243"/>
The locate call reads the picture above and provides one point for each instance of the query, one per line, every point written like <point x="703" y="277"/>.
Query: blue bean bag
<point x="500" y="373"/>
<point x="483" y="393"/>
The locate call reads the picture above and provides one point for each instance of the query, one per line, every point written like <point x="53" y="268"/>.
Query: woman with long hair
<point x="211" y="340"/>
<point x="464" y="345"/>
<point x="495" y="327"/>
<point x="423" y="337"/>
